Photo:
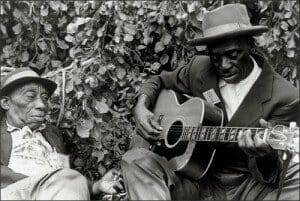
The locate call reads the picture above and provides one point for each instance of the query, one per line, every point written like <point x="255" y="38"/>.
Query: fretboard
<point x="212" y="133"/>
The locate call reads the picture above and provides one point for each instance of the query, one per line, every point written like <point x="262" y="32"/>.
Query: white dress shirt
<point x="31" y="154"/>
<point x="234" y="94"/>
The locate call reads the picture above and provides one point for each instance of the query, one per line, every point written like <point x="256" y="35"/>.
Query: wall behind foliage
<point x="99" y="52"/>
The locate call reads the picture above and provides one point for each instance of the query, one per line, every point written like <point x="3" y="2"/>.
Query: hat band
<point x="224" y="28"/>
<point x="19" y="75"/>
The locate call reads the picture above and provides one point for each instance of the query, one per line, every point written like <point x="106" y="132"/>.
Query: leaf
<point x="191" y="7"/>
<point x="54" y="5"/>
<point x="288" y="14"/>
<point x="201" y="48"/>
<point x="181" y="15"/>
<point x="101" y="107"/>
<point x="63" y="6"/>
<point x="3" y="29"/>
<point x="120" y="73"/>
<point x="291" y="43"/>
<point x="130" y="29"/>
<point x="159" y="46"/>
<point x="48" y="28"/>
<point x="99" y="155"/>
<point x="44" y="11"/>
<point x="128" y="38"/>
<point x="166" y="38"/>
<point x="285" y="72"/>
<point x="17" y="28"/>
<point x="122" y="16"/>
<point x="62" y="44"/>
<point x="69" y="38"/>
<point x="73" y="27"/>
<point x="56" y="63"/>
<point x="92" y="81"/>
<point x="284" y="25"/>
<point x="147" y="39"/>
<point x="24" y="56"/>
<point x="200" y="14"/>
<point x="100" y="31"/>
<point x="178" y="31"/>
<point x="290" y="53"/>
<point x="69" y="85"/>
<point x="83" y="127"/>
<point x="155" y="66"/>
<point x="141" y="47"/>
<point x="17" y="13"/>
<point x="171" y="21"/>
<point x="42" y="45"/>
<point x="164" y="59"/>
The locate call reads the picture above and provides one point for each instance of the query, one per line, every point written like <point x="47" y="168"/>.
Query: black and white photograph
<point x="149" y="100"/>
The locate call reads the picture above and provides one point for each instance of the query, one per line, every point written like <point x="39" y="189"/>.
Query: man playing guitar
<point x="249" y="93"/>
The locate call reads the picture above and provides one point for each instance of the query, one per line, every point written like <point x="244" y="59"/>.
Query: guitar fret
<point x="190" y="133"/>
<point x="196" y="133"/>
<point x="213" y="134"/>
<point x="185" y="130"/>
<point x="222" y="136"/>
<point x="203" y="132"/>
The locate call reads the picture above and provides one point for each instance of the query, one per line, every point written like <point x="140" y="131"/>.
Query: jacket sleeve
<point x="8" y="176"/>
<point x="267" y="169"/>
<point x="177" y="80"/>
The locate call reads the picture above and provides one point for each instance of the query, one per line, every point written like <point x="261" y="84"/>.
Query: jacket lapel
<point x="208" y="81"/>
<point x="6" y="143"/>
<point x="252" y="106"/>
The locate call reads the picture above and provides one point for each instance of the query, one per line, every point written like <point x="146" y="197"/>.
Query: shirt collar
<point x="11" y="128"/>
<point x="255" y="69"/>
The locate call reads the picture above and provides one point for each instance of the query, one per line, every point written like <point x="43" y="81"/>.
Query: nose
<point x="225" y="63"/>
<point x="41" y="104"/>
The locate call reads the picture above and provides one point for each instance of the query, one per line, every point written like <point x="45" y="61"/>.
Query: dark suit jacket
<point x="8" y="176"/>
<point x="271" y="98"/>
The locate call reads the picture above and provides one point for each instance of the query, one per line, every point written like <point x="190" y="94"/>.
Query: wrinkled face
<point x="26" y="105"/>
<point x="231" y="59"/>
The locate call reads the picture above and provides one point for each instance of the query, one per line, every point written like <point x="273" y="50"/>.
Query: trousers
<point x="61" y="184"/>
<point x="147" y="176"/>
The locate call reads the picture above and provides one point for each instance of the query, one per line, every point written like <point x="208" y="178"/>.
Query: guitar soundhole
<point x="174" y="132"/>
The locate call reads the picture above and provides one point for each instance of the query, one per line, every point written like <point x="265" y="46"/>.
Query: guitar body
<point x="197" y="120"/>
<point x="187" y="157"/>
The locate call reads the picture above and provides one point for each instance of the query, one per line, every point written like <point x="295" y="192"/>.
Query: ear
<point x="4" y="102"/>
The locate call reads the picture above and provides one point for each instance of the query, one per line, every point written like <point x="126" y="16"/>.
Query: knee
<point x="142" y="160"/>
<point x="73" y="177"/>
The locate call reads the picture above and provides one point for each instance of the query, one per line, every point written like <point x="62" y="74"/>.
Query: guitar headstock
<point x="283" y="138"/>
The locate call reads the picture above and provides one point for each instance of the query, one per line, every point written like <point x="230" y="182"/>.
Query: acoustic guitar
<point x="185" y="125"/>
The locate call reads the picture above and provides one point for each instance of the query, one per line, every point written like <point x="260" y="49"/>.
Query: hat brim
<point x="252" y="31"/>
<point x="49" y="85"/>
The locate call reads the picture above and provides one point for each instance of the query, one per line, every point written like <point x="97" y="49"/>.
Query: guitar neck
<point x="213" y="133"/>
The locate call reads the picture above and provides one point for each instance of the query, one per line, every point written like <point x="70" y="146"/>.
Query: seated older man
<point x="34" y="164"/>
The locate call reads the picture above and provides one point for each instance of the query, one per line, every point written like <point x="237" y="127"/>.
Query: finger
<point x="249" y="142"/>
<point x="148" y="127"/>
<point x="112" y="190"/>
<point x="249" y="146"/>
<point x="141" y="131"/>
<point x="155" y="125"/>
<point x="262" y="148"/>
<point x="118" y="186"/>
<point x="263" y="123"/>
<point x="240" y="139"/>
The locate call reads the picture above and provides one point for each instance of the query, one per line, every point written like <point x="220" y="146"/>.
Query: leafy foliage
<point x="99" y="52"/>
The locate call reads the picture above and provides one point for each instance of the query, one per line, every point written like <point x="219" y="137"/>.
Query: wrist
<point x="143" y="101"/>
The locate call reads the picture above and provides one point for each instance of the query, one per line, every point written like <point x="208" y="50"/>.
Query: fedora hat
<point x="21" y="76"/>
<point x="228" y="21"/>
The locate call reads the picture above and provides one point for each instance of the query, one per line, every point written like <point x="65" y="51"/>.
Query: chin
<point x="232" y="79"/>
